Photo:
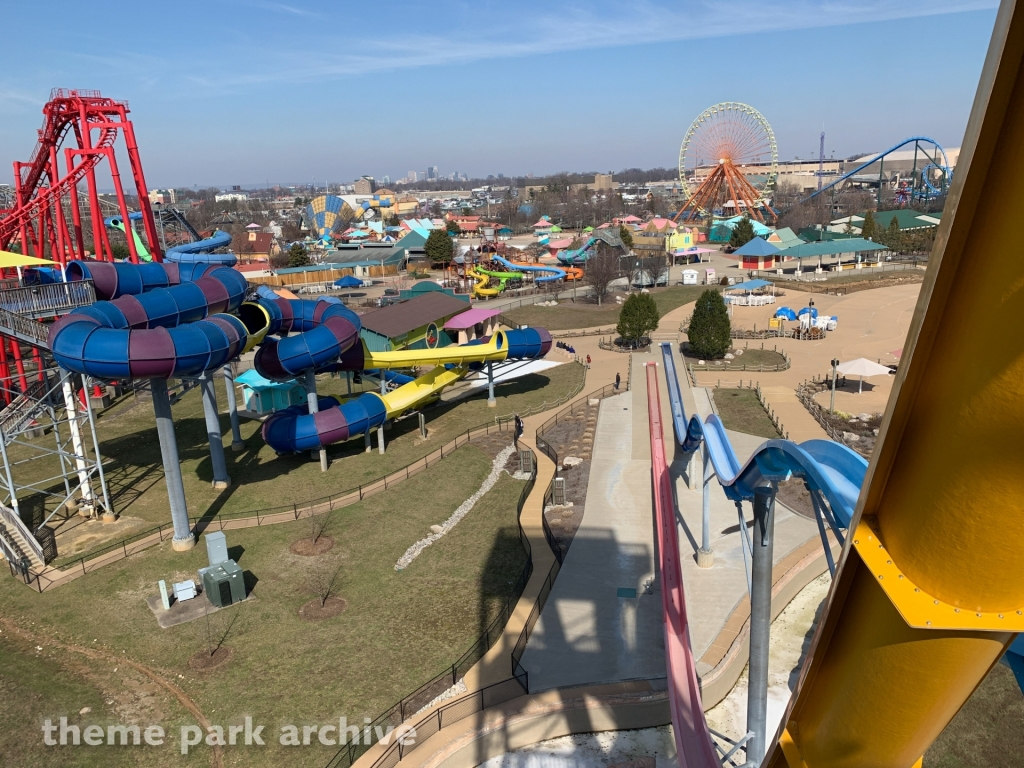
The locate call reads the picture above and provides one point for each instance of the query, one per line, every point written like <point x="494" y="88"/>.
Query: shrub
<point x="709" y="326"/>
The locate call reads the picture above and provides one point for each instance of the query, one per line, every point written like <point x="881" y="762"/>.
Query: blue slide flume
<point x="828" y="467"/>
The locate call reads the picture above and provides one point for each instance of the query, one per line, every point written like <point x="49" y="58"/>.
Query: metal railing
<point x="546" y="406"/>
<point x="11" y="520"/>
<point x="48" y="300"/>
<point x="23" y="328"/>
<point x="89" y="561"/>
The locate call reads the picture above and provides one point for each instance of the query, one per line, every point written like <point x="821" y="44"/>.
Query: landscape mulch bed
<point x="307" y="548"/>
<point x="203" y="661"/>
<point x="569" y="438"/>
<point x="313" y="611"/>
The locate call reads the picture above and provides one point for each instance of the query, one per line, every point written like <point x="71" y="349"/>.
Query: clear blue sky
<point x="230" y="92"/>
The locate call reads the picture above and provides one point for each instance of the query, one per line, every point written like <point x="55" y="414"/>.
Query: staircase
<point x="23" y="409"/>
<point x="17" y="542"/>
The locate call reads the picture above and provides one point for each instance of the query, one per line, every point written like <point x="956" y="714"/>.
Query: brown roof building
<point x="405" y="323"/>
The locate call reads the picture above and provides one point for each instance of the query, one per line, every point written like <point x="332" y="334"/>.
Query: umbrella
<point x="348" y="282"/>
<point x="862" y="367"/>
<point x="785" y="312"/>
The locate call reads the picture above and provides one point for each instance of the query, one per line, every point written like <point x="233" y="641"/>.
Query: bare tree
<point x="318" y="523"/>
<point x="322" y="576"/>
<point x="602" y="269"/>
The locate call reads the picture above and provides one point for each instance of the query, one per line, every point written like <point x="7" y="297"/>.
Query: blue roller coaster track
<point x="932" y="164"/>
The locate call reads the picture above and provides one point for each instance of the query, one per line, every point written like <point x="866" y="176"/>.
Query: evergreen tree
<point x="742" y="233"/>
<point x="709" y="326"/>
<point x="439" y="246"/>
<point x="868" y="229"/>
<point x="626" y="236"/>
<point x="453" y="228"/>
<point x="297" y="256"/>
<point x="893" y="236"/>
<point x="638" y="317"/>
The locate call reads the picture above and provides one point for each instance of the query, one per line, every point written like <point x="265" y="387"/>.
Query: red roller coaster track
<point x="43" y="194"/>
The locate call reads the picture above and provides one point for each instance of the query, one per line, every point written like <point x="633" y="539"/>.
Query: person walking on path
<point x="518" y="431"/>
<point x="618" y="380"/>
<point x="588" y="362"/>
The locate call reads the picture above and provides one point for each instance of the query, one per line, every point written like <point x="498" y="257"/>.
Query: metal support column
<point x="221" y="479"/>
<point x="183" y="538"/>
<point x="760" y="621"/>
<point x="77" y="446"/>
<point x="491" y="402"/>
<point x="705" y="557"/>
<point x="314" y="407"/>
<point x="229" y="384"/>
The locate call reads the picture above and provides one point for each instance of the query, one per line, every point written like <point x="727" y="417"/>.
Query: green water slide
<point x="501" y="277"/>
<point x="116" y="222"/>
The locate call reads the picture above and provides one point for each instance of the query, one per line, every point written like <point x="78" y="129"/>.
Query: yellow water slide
<point x="930" y="591"/>
<point x="480" y="286"/>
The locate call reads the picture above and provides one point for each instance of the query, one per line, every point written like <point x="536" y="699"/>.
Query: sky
<point x="227" y="92"/>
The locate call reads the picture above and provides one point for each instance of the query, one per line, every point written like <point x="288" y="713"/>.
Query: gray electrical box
<point x="224" y="584"/>
<point x="216" y="547"/>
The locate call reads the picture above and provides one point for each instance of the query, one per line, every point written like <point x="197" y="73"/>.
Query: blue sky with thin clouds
<point x="234" y="92"/>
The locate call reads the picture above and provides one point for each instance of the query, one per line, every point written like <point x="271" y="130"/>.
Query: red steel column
<point x="116" y="176"/>
<point x="140" y="186"/>
<point x="76" y="212"/>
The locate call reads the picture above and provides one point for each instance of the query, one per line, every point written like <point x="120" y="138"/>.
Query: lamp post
<point x="832" y="400"/>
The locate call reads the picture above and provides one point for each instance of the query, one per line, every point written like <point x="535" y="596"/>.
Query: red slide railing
<point x="693" y="738"/>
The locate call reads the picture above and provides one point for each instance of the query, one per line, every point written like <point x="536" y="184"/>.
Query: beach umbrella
<point x="348" y="281"/>
<point x="785" y="312"/>
<point x="862" y="367"/>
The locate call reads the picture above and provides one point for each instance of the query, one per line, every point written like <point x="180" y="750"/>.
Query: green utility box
<point x="223" y="584"/>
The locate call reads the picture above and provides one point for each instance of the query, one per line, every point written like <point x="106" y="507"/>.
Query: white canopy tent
<point x="862" y="367"/>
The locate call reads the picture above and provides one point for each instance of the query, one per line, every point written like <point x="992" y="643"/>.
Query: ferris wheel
<point x="729" y="155"/>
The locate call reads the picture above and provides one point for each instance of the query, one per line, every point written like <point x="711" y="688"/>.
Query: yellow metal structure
<point x="943" y="500"/>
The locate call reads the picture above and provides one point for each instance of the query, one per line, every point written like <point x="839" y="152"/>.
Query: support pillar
<point x="71" y="406"/>
<point x="380" y="439"/>
<point x="236" y="433"/>
<point x="314" y="407"/>
<point x="366" y="441"/>
<point x="491" y="402"/>
<point x="760" y="621"/>
<point x="705" y="557"/>
<point x="183" y="538"/>
<point x="221" y="479"/>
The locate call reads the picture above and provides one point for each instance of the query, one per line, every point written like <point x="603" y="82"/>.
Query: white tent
<point x="862" y="367"/>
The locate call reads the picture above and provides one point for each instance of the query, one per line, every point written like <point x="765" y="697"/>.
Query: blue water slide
<point x="199" y="251"/>
<point x="180" y="330"/>
<point x="323" y="332"/>
<point x="826" y="466"/>
<point x="578" y="255"/>
<point x="558" y="273"/>
<point x="1014" y="659"/>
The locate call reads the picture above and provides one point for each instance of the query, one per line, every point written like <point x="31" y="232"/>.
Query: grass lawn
<point x="399" y="630"/>
<point x="751" y="360"/>
<point x="740" y="411"/>
<point x="260" y="478"/>
<point x="583" y="314"/>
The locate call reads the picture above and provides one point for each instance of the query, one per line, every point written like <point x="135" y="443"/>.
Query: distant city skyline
<point x="280" y="92"/>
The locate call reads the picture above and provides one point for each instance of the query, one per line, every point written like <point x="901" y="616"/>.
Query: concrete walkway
<point x="589" y="631"/>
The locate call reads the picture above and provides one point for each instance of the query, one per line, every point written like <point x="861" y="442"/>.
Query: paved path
<point x="588" y="632"/>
